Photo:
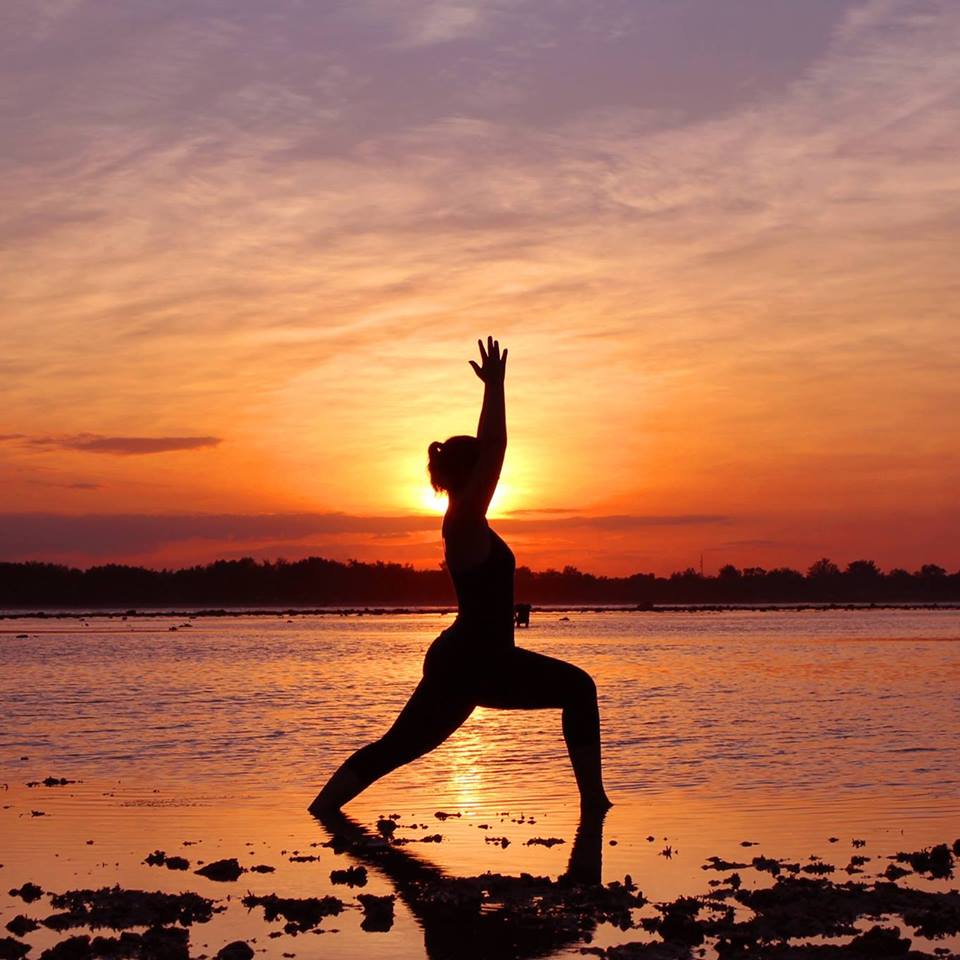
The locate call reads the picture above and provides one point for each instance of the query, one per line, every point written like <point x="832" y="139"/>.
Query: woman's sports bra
<point x="485" y="590"/>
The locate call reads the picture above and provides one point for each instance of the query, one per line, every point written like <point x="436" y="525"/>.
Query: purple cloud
<point x="26" y="536"/>
<point x="118" y="446"/>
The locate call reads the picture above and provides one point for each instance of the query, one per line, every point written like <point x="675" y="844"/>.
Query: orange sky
<point x="244" y="262"/>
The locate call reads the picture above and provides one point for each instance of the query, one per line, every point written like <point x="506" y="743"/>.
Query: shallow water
<point x="779" y="728"/>
<point x="837" y="702"/>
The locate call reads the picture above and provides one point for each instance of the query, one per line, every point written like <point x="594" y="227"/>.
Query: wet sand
<point x="129" y="870"/>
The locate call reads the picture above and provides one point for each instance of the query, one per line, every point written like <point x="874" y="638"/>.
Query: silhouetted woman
<point x="474" y="662"/>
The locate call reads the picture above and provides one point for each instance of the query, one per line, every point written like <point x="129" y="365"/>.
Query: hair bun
<point x="435" y="448"/>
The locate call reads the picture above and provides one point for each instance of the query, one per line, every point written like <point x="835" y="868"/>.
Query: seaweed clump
<point x="156" y="943"/>
<point x="351" y="876"/>
<point x="936" y="861"/>
<point x="159" y="859"/>
<point x="301" y="913"/>
<point x="12" y="949"/>
<point x="28" y="892"/>
<point x="223" y="871"/>
<point x="377" y="912"/>
<point x="527" y="910"/>
<point x="120" y="909"/>
<point x="798" y="908"/>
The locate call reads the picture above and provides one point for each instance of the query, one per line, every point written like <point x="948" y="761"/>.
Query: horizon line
<point x="745" y="571"/>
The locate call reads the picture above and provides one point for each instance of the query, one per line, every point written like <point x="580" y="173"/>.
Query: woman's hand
<point x="494" y="367"/>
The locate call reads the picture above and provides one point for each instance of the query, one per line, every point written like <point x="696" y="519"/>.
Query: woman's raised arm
<point x="492" y="428"/>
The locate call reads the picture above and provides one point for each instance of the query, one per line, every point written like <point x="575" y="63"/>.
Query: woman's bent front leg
<point x="431" y="714"/>
<point x="532" y="681"/>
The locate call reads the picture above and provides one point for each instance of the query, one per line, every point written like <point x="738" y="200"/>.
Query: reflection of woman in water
<point x="454" y="926"/>
<point x="474" y="662"/>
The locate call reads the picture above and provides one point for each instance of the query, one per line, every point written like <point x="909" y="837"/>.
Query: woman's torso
<point x="485" y="599"/>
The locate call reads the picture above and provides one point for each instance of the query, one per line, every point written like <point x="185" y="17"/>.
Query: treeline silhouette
<point x="319" y="582"/>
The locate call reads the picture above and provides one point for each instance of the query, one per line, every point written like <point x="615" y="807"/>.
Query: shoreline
<point x="114" y="613"/>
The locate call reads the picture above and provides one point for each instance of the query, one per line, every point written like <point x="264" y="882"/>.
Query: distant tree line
<point x="319" y="582"/>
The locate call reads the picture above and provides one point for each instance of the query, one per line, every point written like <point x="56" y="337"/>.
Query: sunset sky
<point x="247" y="248"/>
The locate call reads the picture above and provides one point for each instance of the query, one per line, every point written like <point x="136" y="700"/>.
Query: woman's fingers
<point x="476" y="368"/>
<point x="489" y="353"/>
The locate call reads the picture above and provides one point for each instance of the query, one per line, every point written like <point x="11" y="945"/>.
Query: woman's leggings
<point x="514" y="680"/>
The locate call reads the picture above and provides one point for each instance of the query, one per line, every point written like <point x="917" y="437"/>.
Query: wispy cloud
<point x="41" y="535"/>
<point x="119" y="446"/>
<point x="759" y="543"/>
<point x="72" y="484"/>
<point x="439" y="21"/>
<point x="622" y="522"/>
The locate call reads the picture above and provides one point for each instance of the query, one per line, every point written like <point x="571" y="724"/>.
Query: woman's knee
<point x="581" y="685"/>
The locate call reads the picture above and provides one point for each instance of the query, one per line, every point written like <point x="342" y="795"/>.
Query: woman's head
<point x="450" y="463"/>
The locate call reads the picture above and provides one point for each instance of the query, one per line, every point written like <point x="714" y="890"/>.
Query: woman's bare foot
<point x="341" y="788"/>
<point x="322" y="808"/>
<point x="595" y="804"/>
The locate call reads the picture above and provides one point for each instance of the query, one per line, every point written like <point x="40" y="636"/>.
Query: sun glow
<point x="502" y="502"/>
<point x="431" y="501"/>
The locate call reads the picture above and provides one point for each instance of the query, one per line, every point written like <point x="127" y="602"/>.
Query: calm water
<point x="819" y="701"/>
<point x="782" y="728"/>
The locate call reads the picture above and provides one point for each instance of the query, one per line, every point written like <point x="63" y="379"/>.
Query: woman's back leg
<point x="433" y="712"/>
